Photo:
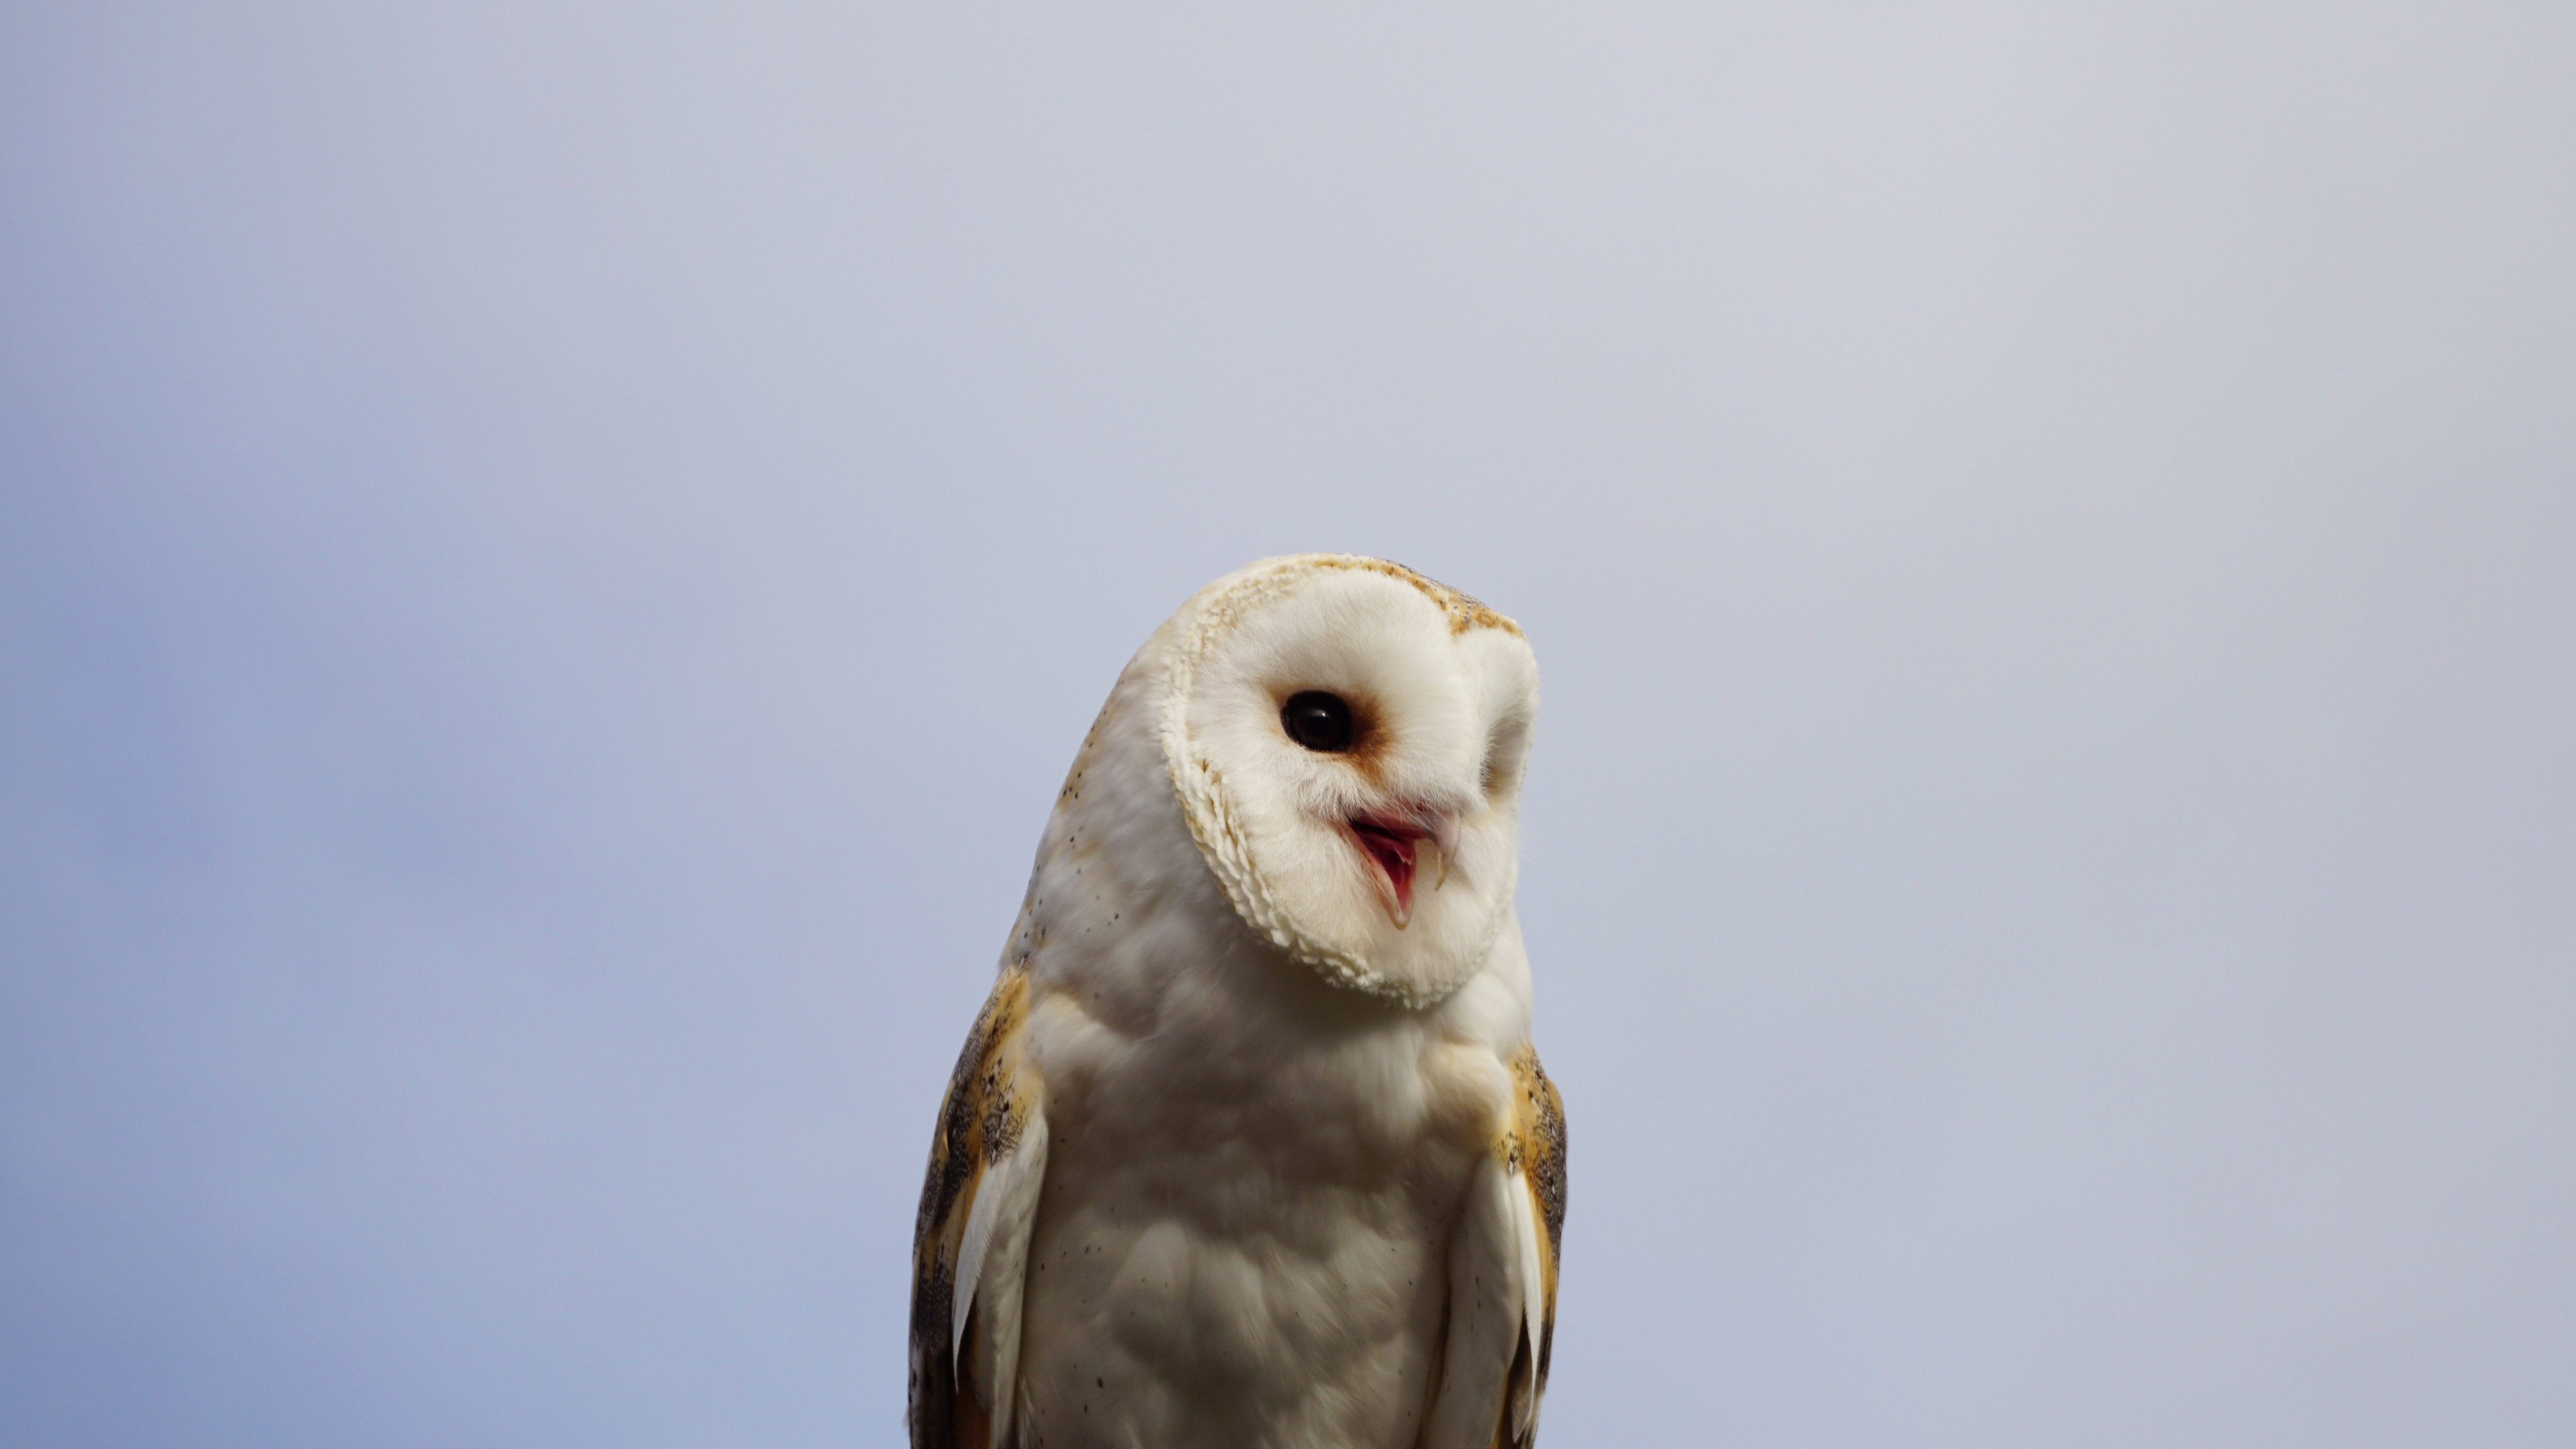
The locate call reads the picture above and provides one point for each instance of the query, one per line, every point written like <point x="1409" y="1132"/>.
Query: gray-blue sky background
<point x="552" y="557"/>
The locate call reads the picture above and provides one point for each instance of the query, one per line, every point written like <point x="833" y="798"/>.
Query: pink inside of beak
<point x="1389" y="846"/>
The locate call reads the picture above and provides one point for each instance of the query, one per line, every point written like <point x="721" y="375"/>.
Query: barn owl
<point x="1249" y="1148"/>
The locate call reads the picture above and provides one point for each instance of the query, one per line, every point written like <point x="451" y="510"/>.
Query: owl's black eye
<point x="1319" y="721"/>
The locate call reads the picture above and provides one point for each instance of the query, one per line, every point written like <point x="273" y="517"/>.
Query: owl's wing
<point x="970" y="1244"/>
<point x="1502" y="1277"/>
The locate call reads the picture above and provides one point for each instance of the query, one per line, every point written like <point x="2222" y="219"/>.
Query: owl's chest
<point x="1241" y="1127"/>
<point x="1244" y="1223"/>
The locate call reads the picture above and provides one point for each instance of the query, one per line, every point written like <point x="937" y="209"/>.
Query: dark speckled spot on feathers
<point x="1541" y="1114"/>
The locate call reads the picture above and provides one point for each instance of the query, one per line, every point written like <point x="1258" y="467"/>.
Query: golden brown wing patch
<point x="980" y="1119"/>
<point x="1533" y="1146"/>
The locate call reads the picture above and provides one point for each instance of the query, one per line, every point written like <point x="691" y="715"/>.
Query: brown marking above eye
<point x="1465" y="611"/>
<point x="1320" y="720"/>
<point x="1352" y="732"/>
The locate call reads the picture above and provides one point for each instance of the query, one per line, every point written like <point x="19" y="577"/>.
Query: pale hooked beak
<point x="1393" y="842"/>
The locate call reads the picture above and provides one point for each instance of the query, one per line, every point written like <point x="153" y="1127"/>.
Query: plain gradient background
<point x="552" y="557"/>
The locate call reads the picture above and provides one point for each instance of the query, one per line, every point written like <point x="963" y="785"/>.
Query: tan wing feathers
<point x="991" y="1097"/>
<point x="1538" y="1114"/>
<point x="1502" y="1275"/>
<point x="1533" y="1150"/>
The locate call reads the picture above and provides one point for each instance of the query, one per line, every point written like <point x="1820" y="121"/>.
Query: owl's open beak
<point x="1394" y="844"/>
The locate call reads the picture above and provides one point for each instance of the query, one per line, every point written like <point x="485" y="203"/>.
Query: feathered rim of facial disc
<point x="1219" y="830"/>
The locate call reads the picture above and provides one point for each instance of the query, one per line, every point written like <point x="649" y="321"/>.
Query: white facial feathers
<point x="1376" y="837"/>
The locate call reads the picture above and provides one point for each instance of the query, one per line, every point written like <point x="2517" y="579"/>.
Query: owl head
<point x="1347" y="739"/>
